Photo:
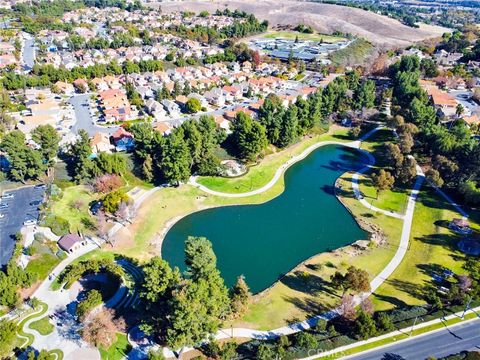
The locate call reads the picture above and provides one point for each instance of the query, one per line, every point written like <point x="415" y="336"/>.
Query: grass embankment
<point x="259" y="175"/>
<point x="291" y="35"/>
<point x="43" y="326"/>
<point x="74" y="206"/>
<point x="118" y="350"/>
<point x="25" y="339"/>
<point x="355" y="53"/>
<point x="432" y="247"/>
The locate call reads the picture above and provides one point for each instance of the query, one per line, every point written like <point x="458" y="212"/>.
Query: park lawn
<point x="42" y="265"/>
<point x="118" y="350"/>
<point x="30" y="314"/>
<point x="305" y="291"/>
<point x="392" y="200"/>
<point x="77" y="217"/>
<point x="259" y="175"/>
<point x="43" y="326"/>
<point x="291" y="35"/>
<point x="432" y="245"/>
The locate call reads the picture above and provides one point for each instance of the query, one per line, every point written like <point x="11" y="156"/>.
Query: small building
<point x="71" y="242"/>
<point x="123" y="140"/>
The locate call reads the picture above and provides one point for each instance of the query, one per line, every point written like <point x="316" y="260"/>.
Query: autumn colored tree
<point x="107" y="183"/>
<point x="346" y="308"/>
<point x="256" y="59"/>
<point x="100" y="328"/>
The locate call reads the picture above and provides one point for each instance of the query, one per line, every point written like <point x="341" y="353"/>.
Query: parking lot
<point x="24" y="205"/>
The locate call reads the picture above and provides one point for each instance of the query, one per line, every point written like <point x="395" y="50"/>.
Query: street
<point x="18" y="210"/>
<point x="442" y="343"/>
<point x="28" y="52"/>
<point x="81" y="105"/>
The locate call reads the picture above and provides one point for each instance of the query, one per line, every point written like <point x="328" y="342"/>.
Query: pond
<point x="264" y="241"/>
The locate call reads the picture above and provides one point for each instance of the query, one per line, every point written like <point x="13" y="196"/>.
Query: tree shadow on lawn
<point x="308" y="283"/>
<point x="392" y="300"/>
<point x="431" y="269"/>
<point x="447" y="241"/>
<point x="414" y="290"/>
<point x="309" y="306"/>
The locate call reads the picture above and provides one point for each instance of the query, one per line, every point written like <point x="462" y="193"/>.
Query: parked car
<point x="2" y="216"/>
<point x="28" y="222"/>
<point x="8" y="196"/>
<point x="40" y="186"/>
<point x="3" y="206"/>
<point x="35" y="203"/>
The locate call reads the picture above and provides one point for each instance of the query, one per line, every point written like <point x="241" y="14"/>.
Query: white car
<point x="30" y="222"/>
<point x="2" y="216"/>
<point x="8" y="196"/>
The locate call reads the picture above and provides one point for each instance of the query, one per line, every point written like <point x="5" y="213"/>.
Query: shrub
<point x="112" y="200"/>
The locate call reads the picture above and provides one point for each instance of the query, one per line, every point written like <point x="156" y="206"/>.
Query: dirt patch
<point x="325" y="18"/>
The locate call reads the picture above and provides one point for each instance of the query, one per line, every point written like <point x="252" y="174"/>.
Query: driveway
<point x="81" y="106"/>
<point x="14" y="215"/>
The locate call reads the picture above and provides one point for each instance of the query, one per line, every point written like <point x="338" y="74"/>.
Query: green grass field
<point x="432" y="246"/>
<point x="291" y="35"/>
<point x="74" y="206"/>
<point x="43" y="326"/>
<point x="118" y="350"/>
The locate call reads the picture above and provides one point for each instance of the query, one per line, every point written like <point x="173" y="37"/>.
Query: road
<point x="18" y="208"/>
<point x="81" y="105"/>
<point x="28" y="52"/>
<point x="447" y="341"/>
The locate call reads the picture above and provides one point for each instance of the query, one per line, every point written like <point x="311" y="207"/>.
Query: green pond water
<point x="264" y="241"/>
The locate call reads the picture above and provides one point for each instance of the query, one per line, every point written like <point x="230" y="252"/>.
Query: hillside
<point x="324" y="18"/>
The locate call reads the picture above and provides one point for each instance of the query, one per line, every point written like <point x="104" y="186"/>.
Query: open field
<point x="292" y="35"/>
<point x="324" y="18"/>
<point x="432" y="246"/>
<point x="43" y="326"/>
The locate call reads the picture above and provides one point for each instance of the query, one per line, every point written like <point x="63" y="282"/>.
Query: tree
<point x="407" y="171"/>
<point x="112" y="200"/>
<point x="8" y="337"/>
<point x="354" y="132"/>
<point x="459" y="110"/>
<point x="198" y="304"/>
<point x="289" y="127"/>
<point x="100" y="329"/>
<point x="25" y="162"/>
<point x="270" y="115"/>
<point x="159" y="279"/>
<point x="175" y="158"/>
<point x="240" y="297"/>
<point x="321" y="325"/>
<point x="92" y="299"/>
<point x="102" y="225"/>
<point x="384" y="322"/>
<point x="354" y="279"/>
<point x="305" y="340"/>
<point x="107" y="183"/>
<point x="346" y="307"/>
<point x="193" y="105"/>
<point x="367" y="306"/>
<point x="382" y="181"/>
<point x="248" y="136"/>
<point x="406" y="143"/>
<point x="364" y="96"/>
<point x="395" y="122"/>
<point x="394" y="155"/>
<point x="47" y="138"/>
<point x="365" y="326"/>
<point x="80" y="152"/>
<point x="433" y="176"/>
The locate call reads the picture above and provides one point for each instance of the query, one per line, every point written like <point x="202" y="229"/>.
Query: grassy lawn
<point x="392" y="200"/>
<point x="432" y="245"/>
<point x="42" y="265"/>
<point x="356" y="52"/>
<point x="118" y="350"/>
<point x="291" y="35"/>
<point x="74" y="206"/>
<point x="259" y="175"/>
<point x="43" y="326"/>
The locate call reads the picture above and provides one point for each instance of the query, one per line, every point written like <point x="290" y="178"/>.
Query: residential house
<point x="123" y="140"/>
<point x="163" y="128"/>
<point x="71" y="242"/>
<point x="65" y="88"/>
<point x="100" y="142"/>
<point x="171" y="107"/>
<point x="155" y="109"/>
<point x="115" y="105"/>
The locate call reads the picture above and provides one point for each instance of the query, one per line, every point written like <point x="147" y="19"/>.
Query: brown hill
<point x="325" y="18"/>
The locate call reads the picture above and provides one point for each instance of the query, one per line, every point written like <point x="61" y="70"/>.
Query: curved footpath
<point x="353" y="144"/>
<point x="374" y="284"/>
